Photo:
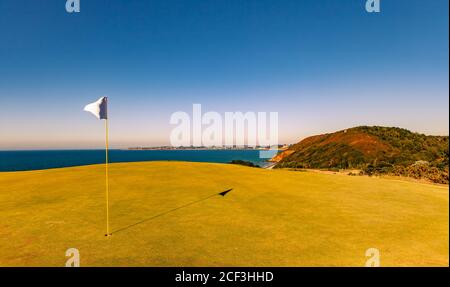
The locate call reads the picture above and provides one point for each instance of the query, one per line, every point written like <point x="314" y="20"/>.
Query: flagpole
<point x="107" y="181"/>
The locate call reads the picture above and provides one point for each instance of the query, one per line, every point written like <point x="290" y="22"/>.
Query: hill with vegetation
<point x="244" y="163"/>
<point x="373" y="150"/>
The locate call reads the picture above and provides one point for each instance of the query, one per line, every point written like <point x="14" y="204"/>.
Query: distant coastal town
<point x="280" y="147"/>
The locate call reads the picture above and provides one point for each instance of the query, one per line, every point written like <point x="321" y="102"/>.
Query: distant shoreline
<point x="193" y="148"/>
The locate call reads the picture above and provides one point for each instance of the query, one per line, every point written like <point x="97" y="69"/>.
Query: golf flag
<point x="100" y="110"/>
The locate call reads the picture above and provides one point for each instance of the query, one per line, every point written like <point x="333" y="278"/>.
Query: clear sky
<point x="324" y="65"/>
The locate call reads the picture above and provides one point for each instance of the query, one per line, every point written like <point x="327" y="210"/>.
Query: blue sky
<point x="323" y="65"/>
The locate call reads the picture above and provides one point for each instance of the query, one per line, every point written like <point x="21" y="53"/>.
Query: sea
<point x="45" y="159"/>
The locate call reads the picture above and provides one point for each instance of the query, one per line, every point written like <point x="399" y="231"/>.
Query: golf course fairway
<point x="270" y="218"/>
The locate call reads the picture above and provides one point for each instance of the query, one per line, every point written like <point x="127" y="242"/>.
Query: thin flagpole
<point x="107" y="181"/>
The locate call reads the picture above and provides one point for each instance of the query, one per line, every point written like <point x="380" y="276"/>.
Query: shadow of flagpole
<point x="223" y="193"/>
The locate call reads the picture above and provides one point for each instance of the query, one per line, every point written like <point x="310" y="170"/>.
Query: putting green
<point x="270" y="218"/>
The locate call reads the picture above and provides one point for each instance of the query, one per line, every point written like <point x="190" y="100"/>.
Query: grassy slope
<point x="272" y="217"/>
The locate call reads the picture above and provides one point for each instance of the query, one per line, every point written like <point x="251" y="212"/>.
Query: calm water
<point x="32" y="160"/>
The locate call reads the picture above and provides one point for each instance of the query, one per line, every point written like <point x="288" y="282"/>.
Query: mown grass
<point x="271" y="218"/>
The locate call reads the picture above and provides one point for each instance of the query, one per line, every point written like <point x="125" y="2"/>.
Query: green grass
<point x="271" y="218"/>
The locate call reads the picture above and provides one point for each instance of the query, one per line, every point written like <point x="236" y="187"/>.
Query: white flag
<point x="99" y="108"/>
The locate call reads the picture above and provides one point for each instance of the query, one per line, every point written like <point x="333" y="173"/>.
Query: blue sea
<point x="44" y="159"/>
